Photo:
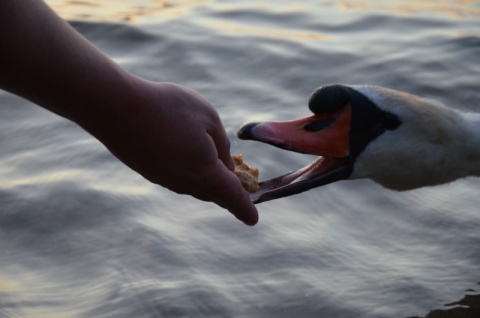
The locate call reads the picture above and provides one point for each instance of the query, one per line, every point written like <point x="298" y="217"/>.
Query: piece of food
<point x="247" y="175"/>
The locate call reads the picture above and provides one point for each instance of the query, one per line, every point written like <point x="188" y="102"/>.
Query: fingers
<point x="329" y="99"/>
<point x="230" y="193"/>
<point x="226" y="191"/>
<point x="214" y="128"/>
<point x="222" y="144"/>
<point x="214" y="180"/>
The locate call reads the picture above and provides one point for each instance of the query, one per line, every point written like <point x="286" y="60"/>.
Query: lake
<point x="82" y="235"/>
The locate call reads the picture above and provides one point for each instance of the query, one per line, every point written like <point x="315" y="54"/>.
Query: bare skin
<point x="168" y="133"/>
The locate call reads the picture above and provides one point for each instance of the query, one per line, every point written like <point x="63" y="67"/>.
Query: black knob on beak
<point x="245" y="132"/>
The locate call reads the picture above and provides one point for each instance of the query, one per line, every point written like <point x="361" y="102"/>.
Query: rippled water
<point x="81" y="235"/>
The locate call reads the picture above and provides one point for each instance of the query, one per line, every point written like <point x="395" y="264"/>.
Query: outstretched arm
<point x="168" y="133"/>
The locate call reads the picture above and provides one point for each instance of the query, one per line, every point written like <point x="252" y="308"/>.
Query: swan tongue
<point x="326" y="135"/>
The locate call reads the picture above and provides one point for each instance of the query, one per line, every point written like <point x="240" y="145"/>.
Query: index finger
<point x="226" y="190"/>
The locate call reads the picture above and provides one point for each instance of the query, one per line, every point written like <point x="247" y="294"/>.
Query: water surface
<point x="81" y="235"/>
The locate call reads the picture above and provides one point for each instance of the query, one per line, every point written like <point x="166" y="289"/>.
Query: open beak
<point x="325" y="135"/>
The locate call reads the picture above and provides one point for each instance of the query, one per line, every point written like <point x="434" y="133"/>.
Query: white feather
<point x="433" y="145"/>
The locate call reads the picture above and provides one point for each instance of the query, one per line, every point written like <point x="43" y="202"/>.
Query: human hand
<point x="176" y="139"/>
<point x="169" y="134"/>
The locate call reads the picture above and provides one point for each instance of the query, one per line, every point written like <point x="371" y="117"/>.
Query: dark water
<point x="83" y="236"/>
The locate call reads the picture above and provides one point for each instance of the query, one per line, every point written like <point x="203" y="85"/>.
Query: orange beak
<point x="324" y="135"/>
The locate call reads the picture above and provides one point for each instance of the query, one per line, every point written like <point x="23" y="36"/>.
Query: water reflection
<point x="86" y="237"/>
<point x="112" y="10"/>
<point x="274" y="33"/>
<point x="451" y="9"/>
<point x="155" y="10"/>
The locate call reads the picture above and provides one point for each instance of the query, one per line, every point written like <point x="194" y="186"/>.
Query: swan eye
<point x="391" y="122"/>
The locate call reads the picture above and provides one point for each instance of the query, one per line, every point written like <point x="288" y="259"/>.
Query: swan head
<point x="396" y="139"/>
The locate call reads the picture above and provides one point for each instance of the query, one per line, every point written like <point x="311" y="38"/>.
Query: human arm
<point x="169" y="134"/>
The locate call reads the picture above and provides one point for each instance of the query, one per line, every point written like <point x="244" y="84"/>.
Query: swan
<point x="398" y="140"/>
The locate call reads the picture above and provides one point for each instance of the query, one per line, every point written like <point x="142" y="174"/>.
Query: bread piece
<point x="247" y="175"/>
